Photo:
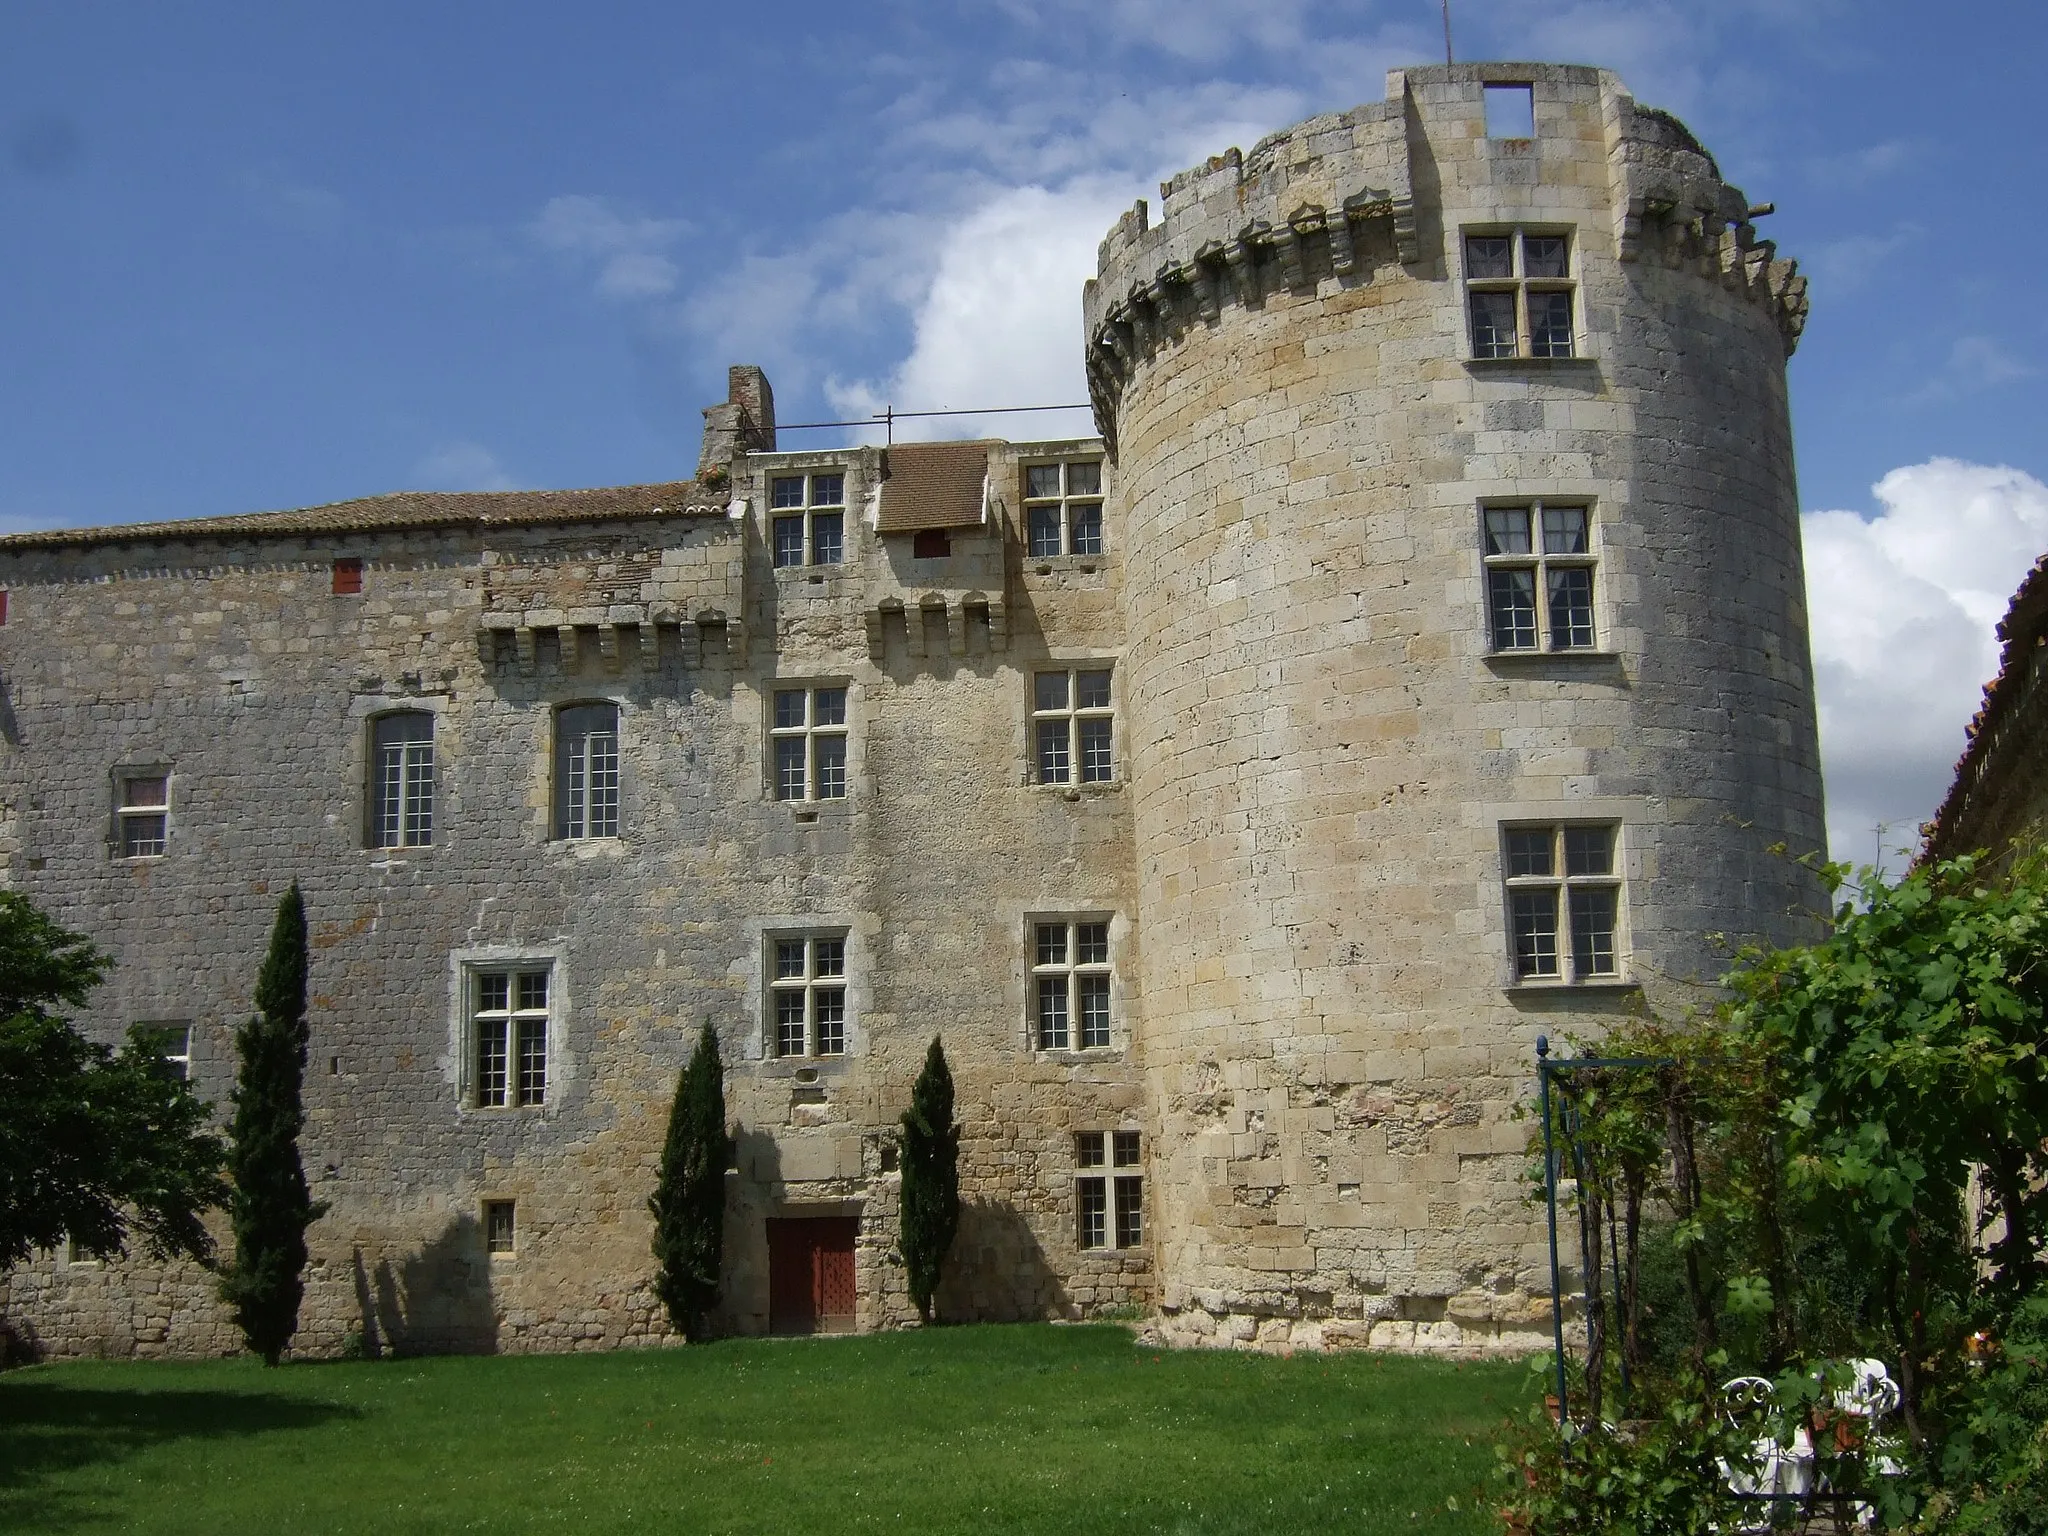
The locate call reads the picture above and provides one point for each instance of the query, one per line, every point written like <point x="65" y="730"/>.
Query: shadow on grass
<point x="51" y="1429"/>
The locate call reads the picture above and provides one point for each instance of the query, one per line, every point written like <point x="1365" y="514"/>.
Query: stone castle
<point x="1415" y="664"/>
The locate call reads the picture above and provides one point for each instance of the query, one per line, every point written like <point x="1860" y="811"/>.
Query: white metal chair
<point x="1776" y="1469"/>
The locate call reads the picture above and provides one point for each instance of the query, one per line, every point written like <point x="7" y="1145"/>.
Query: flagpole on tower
<point x="1447" y="33"/>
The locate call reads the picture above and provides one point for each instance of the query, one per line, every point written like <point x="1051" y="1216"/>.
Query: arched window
<point x="402" y="780"/>
<point x="587" y="770"/>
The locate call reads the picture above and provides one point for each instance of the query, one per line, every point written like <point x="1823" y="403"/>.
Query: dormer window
<point x="810" y="518"/>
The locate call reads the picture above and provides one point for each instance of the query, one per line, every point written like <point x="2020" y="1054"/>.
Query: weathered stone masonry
<point x="1317" y="1029"/>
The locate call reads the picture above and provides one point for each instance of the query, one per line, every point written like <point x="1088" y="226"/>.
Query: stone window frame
<point x="1518" y="283"/>
<point x="1077" y="773"/>
<point x="1554" y="887"/>
<point x="1076" y="539"/>
<point x="801" y="517"/>
<point x="1072" y="972"/>
<point x="809" y="987"/>
<point x="172" y="1040"/>
<point x="1542" y="562"/>
<point x="142" y="825"/>
<point x="412" y="829"/>
<point x="564" y="825"/>
<point x="466" y="966"/>
<point x="1109" y="1164"/>
<point x="499" y="1219"/>
<point x="809" y="733"/>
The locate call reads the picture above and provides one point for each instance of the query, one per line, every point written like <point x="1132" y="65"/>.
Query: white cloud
<point x="1903" y="607"/>
<point x="1843" y="266"/>
<point x="1000" y="322"/>
<point x="461" y="465"/>
<point x="626" y="249"/>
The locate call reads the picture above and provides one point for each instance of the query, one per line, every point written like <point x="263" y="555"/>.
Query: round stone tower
<point x="1468" y="693"/>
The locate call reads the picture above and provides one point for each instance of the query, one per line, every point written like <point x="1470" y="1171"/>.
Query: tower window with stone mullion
<point x="809" y="519"/>
<point x="1063" y="508"/>
<point x="1070" y="984"/>
<point x="1564" y="901"/>
<point x="509" y="1025"/>
<point x="1539" y="576"/>
<point x="809" y="743"/>
<point x="1519" y="294"/>
<point x="807" y="995"/>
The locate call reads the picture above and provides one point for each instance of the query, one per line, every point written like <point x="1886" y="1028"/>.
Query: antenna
<point x="1447" y="33"/>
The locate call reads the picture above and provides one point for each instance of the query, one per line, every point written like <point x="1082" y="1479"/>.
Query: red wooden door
<point x="810" y="1274"/>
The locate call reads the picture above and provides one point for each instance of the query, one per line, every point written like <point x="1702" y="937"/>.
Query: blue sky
<point x="272" y="255"/>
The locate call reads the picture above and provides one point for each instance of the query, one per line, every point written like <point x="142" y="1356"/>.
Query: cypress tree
<point x="270" y="1207"/>
<point x="931" y="1179"/>
<point x="689" y="1197"/>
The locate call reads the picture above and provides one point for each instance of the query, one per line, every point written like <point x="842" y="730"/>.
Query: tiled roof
<point x="404" y="510"/>
<point x="1994" y="745"/>
<point x="933" y="485"/>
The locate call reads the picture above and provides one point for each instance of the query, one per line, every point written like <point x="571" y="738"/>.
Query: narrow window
<point x="1071" y="984"/>
<point x="501" y="1228"/>
<point x="144" y="814"/>
<point x="1564" y="901"/>
<point x="402" y="780"/>
<point x="509" y="1037"/>
<point x="587" y="771"/>
<point x="1539" y="576"/>
<point x="807" y="994"/>
<point x="807" y="741"/>
<point x="347" y="577"/>
<point x="1073" y="726"/>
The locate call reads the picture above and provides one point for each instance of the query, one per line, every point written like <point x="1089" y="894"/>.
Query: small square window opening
<point x="144" y="814"/>
<point x="347" y="578"/>
<point x="1510" y="111"/>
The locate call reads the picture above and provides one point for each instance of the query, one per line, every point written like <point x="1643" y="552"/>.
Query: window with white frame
<point x="1072" y="726"/>
<point x="807" y="994"/>
<point x="807" y="740"/>
<point x="170" y="1040"/>
<point x="402" y="779"/>
<point x="809" y="513"/>
<point x="587" y="771"/>
<point x="1070" y="983"/>
<point x="1564" y="901"/>
<point x="1063" y="508"/>
<point x="1109" y="1189"/>
<point x="1539" y="576"/>
<point x="501" y="1226"/>
<point x="508" y="1035"/>
<point x="143" y="812"/>
<point x="1519" y="293"/>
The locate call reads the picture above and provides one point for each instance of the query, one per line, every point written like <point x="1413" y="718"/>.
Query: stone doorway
<point x="810" y="1273"/>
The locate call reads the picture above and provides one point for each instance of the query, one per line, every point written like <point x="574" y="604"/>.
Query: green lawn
<point x="1020" y="1428"/>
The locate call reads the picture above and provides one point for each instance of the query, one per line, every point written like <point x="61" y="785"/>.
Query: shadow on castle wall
<point x="435" y="1301"/>
<point x="997" y="1271"/>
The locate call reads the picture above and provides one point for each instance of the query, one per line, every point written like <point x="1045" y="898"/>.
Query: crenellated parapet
<point x="1355" y="197"/>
